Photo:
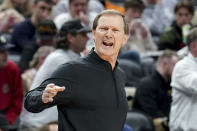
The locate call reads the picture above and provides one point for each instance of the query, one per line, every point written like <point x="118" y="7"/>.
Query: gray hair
<point x="191" y="37"/>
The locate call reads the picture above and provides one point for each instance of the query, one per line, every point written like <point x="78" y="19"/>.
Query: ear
<point x="93" y="34"/>
<point x="69" y="38"/>
<point x="125" y="39"/>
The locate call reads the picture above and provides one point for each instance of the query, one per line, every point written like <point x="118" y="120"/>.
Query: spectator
<point x="46" y="33"/>
<point x="140" y="38"/>
<point x="184" y="80"/>
<point x="9" y="18"/>
<point x="11" y="92"/>
<point x="63" y="7"/>
<point x="172" y="37"/>
<point x="158" y="15"/>
<point x="38" y="59"/>
<point x="153" y="94"/>
<point x="24" y="32"/>
<point x="78" y="9"/>
<point x="24" y="7"/>
<point x="71" y="42"/>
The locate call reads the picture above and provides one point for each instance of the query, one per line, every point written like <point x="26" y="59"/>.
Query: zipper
<point x="116" y="89"/>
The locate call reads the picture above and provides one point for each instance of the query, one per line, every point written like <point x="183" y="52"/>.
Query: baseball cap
<point x="46" y="29"/>
<point x="73" y="26"/>
<point x="4" y="45"/>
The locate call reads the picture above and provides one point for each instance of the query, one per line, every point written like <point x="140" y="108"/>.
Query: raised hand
<point x="50" y="91"/>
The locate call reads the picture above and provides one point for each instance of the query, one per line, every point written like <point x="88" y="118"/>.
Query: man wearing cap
<point x="89" y="92"/>
<point x="71" y="42"/>
<point x="46" y="33"/>
<point x="24" y="32"/>
<point x="11" y="92"/>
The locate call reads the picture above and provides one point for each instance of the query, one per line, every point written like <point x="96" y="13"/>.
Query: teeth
<point x="107" y="43"/>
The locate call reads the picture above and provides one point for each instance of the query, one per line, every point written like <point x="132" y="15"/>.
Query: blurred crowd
<point x="36" y="36"/>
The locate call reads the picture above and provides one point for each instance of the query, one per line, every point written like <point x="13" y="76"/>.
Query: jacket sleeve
<point x="17" y="97"/>
<point x="33" y="99"/>
<point x="184" y="77"/>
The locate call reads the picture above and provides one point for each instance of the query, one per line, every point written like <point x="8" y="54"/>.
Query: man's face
<point x="78" y="42"/>
<point x="171" y="64"/>
<point x="77" y="7"/>
<point x="42" y="10"/>
<point x="3" y="58"/>
<point x="133" y="13"/>
<point x="183" y="16"/>
<point x="109" y="36"/>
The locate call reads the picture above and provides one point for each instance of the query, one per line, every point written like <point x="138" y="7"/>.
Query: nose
<point x="109" y="33"/>
<point x="137" y="14"/>
<point x="46" y="14"/>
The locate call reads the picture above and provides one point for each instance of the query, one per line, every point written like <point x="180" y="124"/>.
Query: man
<point x="11" y="92"/>
<point x="153" y="94"/>
<point x="184" y="80"/>
<point x="71" y="42"/>
<point x="78" y="9"/>
<point x="89" y="93"/>
<point x="158" y="15"/>
<point x="46" y="33"/>
<point x="172" y="37"/>
<point x="24" y="32"/>
<point x="63" y="6"/>
<point x="140" y="39"/>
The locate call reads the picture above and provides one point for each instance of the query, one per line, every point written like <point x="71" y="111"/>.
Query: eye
<point x="115" y="30"/>
<point x="103" y="29"/>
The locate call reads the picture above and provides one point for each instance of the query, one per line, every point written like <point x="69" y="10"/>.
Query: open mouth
<point x="108" y="43"/>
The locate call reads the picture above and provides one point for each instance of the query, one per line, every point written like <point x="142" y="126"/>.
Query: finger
<point x="58" y="88"/>
<point x="49" y="94"/>
<point x="50" y="90"/>
<point x="51" y="85"/>
<point x="46" y="100"/>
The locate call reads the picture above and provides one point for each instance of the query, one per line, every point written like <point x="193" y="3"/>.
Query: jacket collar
<point x="95" y="58"/>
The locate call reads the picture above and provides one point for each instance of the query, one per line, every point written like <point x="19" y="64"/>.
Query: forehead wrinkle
<point x="104" y="24"/>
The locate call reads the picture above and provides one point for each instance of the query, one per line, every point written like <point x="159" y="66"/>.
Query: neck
<point x="162" y="73"/>
<point x="111" y="60"/>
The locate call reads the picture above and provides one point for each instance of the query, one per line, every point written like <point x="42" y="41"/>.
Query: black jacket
<point x="94" y="99"/>
<point x="153" y="96"/>
<point x="27" y="56"/>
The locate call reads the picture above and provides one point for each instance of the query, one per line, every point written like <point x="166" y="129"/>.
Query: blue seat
<point x="139" y="122"/>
